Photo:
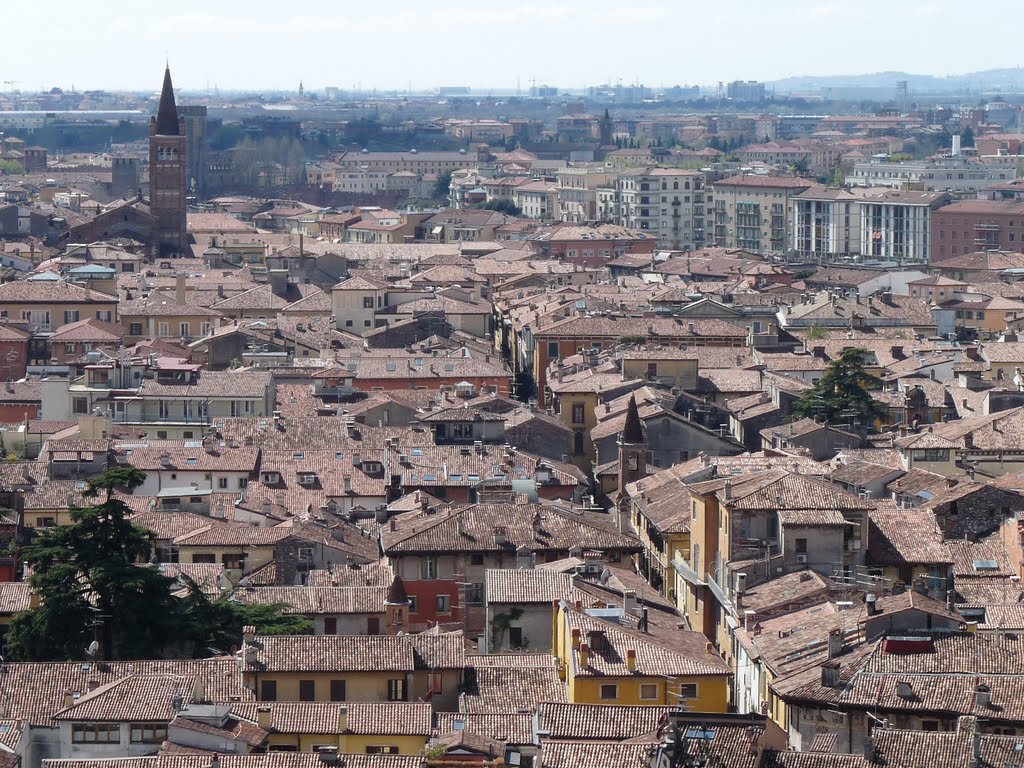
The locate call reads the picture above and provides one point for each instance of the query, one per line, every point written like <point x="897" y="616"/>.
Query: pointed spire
<point x="396" y="593"/>
<point x="632" y="432"/>
<point x="167" y="112"/>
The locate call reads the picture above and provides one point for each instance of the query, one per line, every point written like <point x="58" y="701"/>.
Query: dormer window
<point x="270" y="478"/>
<point x="307" y="478"/>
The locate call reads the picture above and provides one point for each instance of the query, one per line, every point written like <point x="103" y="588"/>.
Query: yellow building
<point x="343" y="668"/>
<point x="396" y="728"/>
<point x="576" y="399"/>
<point x="602" y="663"/>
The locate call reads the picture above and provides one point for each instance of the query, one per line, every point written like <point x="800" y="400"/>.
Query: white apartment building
<point x="667" y="202"/>
<point x="878" y="224"/>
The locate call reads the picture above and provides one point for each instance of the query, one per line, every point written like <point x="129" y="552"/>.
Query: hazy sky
<point x="121" y="44"/>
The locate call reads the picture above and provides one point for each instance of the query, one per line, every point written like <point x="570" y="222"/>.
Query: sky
<point x="422" y="44"/>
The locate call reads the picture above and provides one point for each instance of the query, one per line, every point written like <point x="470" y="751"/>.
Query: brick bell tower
<point x="167" y="173"/>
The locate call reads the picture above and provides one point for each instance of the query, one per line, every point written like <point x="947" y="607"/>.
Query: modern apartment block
<point x="753" y="212"/>
<point x="878" y="224"/>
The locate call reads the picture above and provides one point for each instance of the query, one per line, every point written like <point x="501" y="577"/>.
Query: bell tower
<point x="632" y="459"/>
<point x="396" y="608"/>
<point x="167" y="173"/>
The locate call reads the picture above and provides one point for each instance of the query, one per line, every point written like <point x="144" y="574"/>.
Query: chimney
<point x="69" y="699"/>
<point x="179" y="289"/>
<point x="248" y="634"/>
<point x="871" y="603"/>
<point x="727" y="490"/>
<point x="394" y="525"/>
<point x="263" y="716"/>
<point x="215" y="760"/>
<point x="348" y="484"/>
<point x="584" y="655"/>
<point x="92" y="685"/>
<point x="629" y="604"/>
<point x="576" y="635"/>
<point x="835" y="643"/>
<point x="631" y="660"/>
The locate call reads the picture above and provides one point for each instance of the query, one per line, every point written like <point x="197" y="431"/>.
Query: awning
<point x="437" y="230"/>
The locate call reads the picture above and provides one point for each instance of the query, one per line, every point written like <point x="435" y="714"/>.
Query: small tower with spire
<point x="396" y="608"/>
<point x="632" y="458"/>
<point x="167" y="173"/>
<point x="302" y="91"/>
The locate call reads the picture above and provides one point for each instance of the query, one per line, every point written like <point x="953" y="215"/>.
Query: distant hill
<point x="987" y="81"/>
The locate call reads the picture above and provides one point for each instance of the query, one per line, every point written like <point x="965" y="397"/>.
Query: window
<point x="69" y="349"/>
<point x="428" y="567"/>
<point x="330" y="625"/>
<point x="444" y="604"/>
<point x="79" y="405"/>
<point x="477" y="558"/>
<point x="413" y="604"/>
<point x="95" y="733"/>
<point x="204" y="558"/>
<point x="981" y="315"/>
<point x="475" y="594"/>
<point x="268" y="690"/>
<point x="70" y="316"/>
<point x="163" y="329"/>
<point x="45" y="522"/>
<point x="373" y="625"/>
<point x="307" y="690"/>
<point x="929" y="725"/>
<point x="649" y="691"/>
<point x="552" y="349"/>
<point x="688" y="691"/>
<point x="148" y="733"/>
<point x="801" y="546"/>
<point x="184" y="329"/>
<point x="222" y="483"/>
<point x="381" y="749"/>
<point x="367" y="302"/>
<point x="396" y="689"/>
<point x="578" y="413"/>
<point x="609" y="692"/>
<point x="337" y="690"/>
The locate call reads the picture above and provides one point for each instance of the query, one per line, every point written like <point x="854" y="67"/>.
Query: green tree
<point x="91" y="586"/>
<point x="502" y="205"/>
<point x="801" y="167"/>
<point x="967" y="137"/>
<point x="843" y="396"/>
<point x="215" y="626"/>
<point x="11" y="167"/>
<point x="441" y="187"/>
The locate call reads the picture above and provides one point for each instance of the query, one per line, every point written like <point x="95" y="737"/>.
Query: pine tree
<point x="842" y="397"/>
<point x="91" y="586"/>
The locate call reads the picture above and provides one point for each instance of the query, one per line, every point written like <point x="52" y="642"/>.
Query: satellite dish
<point x="93" y="649"/>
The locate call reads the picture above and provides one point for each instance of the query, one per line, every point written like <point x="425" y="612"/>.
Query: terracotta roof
<point x="502" y="527"/>
<point x="340" y="653"/>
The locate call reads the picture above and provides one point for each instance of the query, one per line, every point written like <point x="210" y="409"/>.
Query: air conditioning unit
<point x="802" y="559"/>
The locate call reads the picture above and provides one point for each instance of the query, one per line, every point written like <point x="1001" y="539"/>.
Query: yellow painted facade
<point x="699" y="693"/>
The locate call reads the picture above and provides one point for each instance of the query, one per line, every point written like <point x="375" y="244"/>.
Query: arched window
<point x="686" y="185"/>
<point x="675" y="185"/>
